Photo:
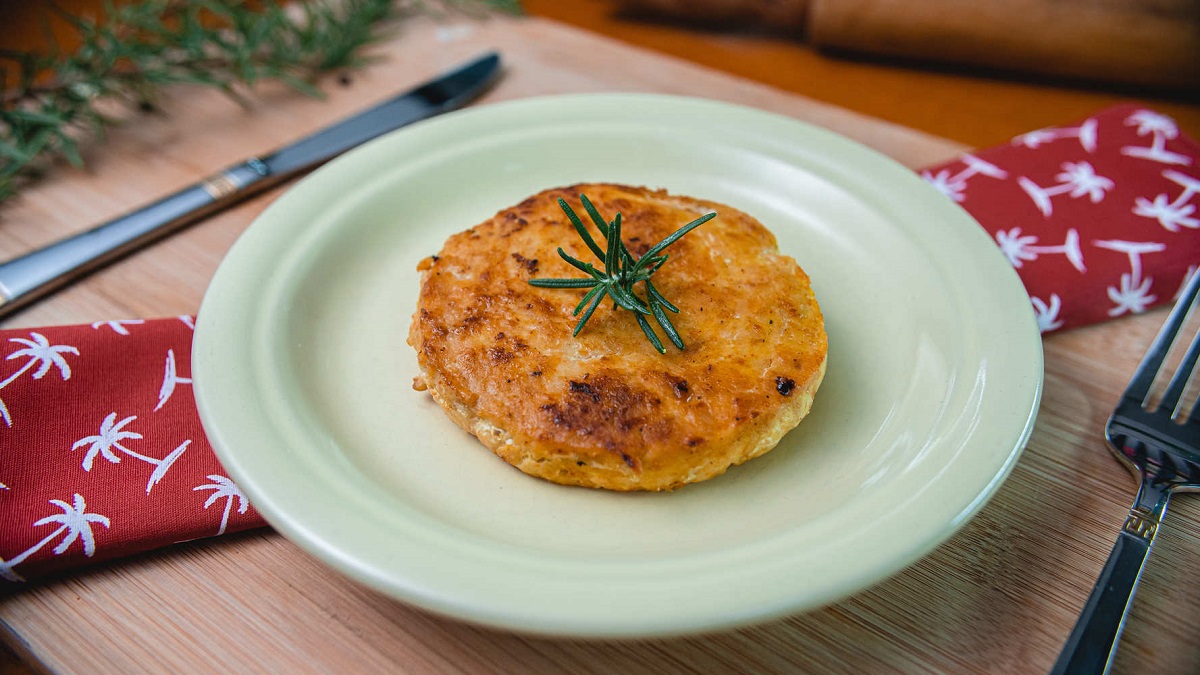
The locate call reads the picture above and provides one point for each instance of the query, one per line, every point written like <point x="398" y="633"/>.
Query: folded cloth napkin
<point x="102" y="454"/>
<point x="101" y="450"/>
<point x="1098" y="217"/>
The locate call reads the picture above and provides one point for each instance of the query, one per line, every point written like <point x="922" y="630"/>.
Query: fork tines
<point x="1139" y="387"/>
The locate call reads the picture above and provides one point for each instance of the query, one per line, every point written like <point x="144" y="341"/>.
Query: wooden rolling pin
<point x="1150" y="42"/>
<point x="1141" y="42"/>
<point x="787" y="16"/>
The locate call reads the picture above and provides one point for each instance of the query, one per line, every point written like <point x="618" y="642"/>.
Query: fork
<point x="1161" y="445"/>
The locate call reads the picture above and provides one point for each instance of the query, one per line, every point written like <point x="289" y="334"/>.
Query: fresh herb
<point x="621" y="273"/>
<point x="55" y="100"/>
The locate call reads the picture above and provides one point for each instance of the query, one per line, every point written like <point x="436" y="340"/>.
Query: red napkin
<point x="101" y="450"/>
<point x="102" y="454"/>
<point x="1099" y="217"/>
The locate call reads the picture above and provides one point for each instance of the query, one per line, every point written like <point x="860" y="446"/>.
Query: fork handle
<point x="1093" y="642"/>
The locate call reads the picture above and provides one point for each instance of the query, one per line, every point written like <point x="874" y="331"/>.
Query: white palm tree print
<point x="223" y="487"/>
<point x="1133" y="295"/>
<point x="1160" y="129"/>
<point x="171" y="378"/>
<point x="945" y="182"/>
<point x="1015" y="246"/>
<point x="1079" y="179"/>
<point x="118" y="327"/>
<point x="954" y="186"/>
<point x="74" y="521"/>
<point x="1172" y="214"/>
<point x="103" y="443"/>
<point x="1019" y="248"/>
<point x="1133" y="249"/>
<point x="1082" y="179"/>
<point x="1149" y="122"/>
<point x="1085" y="132"/>
<point x="1047" y="314"/>
<point x="40" y="353"/>
<point x="109" y="439"/>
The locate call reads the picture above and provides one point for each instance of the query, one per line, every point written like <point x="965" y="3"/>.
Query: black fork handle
<point x="1093" y="642"/>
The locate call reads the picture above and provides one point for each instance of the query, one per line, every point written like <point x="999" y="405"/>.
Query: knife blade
<point x="38" y="273"/>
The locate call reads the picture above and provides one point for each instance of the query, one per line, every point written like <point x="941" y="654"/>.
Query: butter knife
<point x="29" y="277"/>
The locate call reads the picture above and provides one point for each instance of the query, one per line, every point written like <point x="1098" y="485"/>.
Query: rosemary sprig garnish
<point x="51" y="102"/>
<point x="621" y="273"/>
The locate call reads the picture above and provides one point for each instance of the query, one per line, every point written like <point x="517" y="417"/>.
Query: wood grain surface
<point x="999" y="597"/>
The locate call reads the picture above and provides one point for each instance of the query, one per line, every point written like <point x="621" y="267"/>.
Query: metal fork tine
<point x="1194" y="353"/>
<point x="1181" y="377"/>
<point x="1139" y="387"/>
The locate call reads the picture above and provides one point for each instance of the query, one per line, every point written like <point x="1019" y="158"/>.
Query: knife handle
<point x="40" y="272"/>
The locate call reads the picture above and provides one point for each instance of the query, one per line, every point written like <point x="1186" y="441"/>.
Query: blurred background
<point x="974" y="71"/>
<point x="978" y="72"/>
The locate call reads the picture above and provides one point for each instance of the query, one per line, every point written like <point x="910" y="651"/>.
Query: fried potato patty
<point x="604" y="409"/>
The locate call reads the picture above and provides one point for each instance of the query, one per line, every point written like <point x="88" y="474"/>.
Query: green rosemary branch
<point x="62" y="99"/>
<point x="621" y="273"/>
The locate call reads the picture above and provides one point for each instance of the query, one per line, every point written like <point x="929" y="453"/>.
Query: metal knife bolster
<point x="30" y="276"/>
<point x="236" y="178"/>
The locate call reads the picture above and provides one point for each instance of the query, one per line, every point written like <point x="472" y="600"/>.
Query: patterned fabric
<point x="1099" y="218"/>
<point x="101" y="450"/>
<point x="102" y="454"/>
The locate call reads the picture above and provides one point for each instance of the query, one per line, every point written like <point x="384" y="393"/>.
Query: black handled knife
<point x="35" y="274"/>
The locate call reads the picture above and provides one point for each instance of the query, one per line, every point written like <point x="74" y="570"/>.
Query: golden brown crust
<point x="605" y="409"/>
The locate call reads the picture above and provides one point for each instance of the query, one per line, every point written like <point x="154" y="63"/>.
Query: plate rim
<point x="208" y="334"/>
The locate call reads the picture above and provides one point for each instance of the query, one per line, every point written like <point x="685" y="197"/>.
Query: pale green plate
<point x="304" y="380"/>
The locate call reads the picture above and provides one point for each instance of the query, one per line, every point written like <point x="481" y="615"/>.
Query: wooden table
<point x="1000" y="596"/>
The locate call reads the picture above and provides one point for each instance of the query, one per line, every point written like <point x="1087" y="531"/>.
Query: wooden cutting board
<point x="1000" y="596"/>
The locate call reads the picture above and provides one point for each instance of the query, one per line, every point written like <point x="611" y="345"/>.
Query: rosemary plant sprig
<point x="621" y="273"/>
<point x="50" y="102"/>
